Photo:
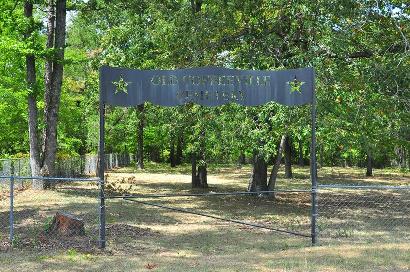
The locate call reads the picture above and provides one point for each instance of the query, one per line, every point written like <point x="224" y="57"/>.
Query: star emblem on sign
<point x="295" y="85"/>
<point x="121" y="85"/>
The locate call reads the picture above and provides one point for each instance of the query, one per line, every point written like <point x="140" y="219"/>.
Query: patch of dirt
<point x="46" y="242"/>
<point x="115" y="231"/>
<point x="81" y="243"/>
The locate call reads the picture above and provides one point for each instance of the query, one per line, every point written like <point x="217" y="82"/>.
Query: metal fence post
<point x="102" y="214"/>
<point x="11" y="219"/>
<point x="313" y="170"/>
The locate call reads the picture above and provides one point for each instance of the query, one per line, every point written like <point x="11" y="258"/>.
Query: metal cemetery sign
<point x="208" y="86"/>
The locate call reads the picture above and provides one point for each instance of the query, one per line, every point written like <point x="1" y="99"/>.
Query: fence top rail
<point x="373" y="187"/>
<point x="52" y="178"/>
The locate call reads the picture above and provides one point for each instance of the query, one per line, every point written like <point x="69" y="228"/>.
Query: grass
<point x="144" y="238"/>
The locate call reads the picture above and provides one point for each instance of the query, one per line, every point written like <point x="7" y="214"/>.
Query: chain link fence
<point x="364" y="213"/>
<point x="77" y="166"/>
<point x="65" y="217"/>
<point x="346" y="213"/>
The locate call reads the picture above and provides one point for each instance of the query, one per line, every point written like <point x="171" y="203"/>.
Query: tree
<point x="360" y="51"/>
<point x="13" y="103"/>
<point x="42" y="160"/>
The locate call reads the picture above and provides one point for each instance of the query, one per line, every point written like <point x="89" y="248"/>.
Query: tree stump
<point x="66" y="224"/>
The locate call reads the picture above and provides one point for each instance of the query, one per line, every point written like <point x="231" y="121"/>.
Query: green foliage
<point x="359" y="49"/>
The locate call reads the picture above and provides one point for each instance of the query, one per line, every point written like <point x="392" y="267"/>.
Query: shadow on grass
<point x="269" y="254"/>
<point x="231" y="240"/>
<point x="278" y="214"/>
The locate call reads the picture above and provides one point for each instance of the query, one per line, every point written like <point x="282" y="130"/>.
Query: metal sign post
<point x="101" y="157"/>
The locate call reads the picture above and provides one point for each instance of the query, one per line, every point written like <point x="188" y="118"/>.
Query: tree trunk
<point x="202" y="179"/>
<point x="300" y="148"/>
<point x="195" y="181"/>
<point x="32" y="104"/>
<point x="201" y="175"/>
<point x="369" y="169"/>
<point x="321" y="157"/>
<point x="178" y="158"/>
<point x="259" y="174"/>
<point x="155" y="154"/>
<point x="408" y="159"/>
<point x="140" y="137"/>
<point x="56" y="33"/>
<point x="196" y="6"/>
<point x="288" y="158"/>
<point x="172" y="154"/>
<point x="400" y="152"/>
<point x="275" y="168"/>
<point x="242" y="159"/>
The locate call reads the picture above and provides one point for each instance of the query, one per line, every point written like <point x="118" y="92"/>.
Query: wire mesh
<point x="34" y="211"/>
<point x="64" y="216"/>
<point x="364" y="213"/>
<point x="4" y="213"/>
<point x="75" y="166"/>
